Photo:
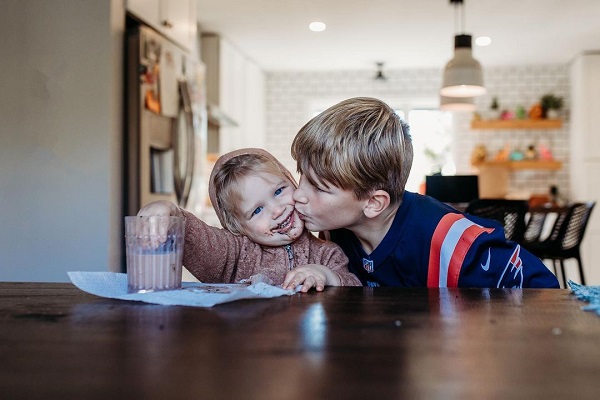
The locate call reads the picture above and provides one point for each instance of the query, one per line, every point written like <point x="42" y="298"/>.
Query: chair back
<point x="573" y="228"/>
<point x="510" y="213"/>
<point x="534" y="227"/>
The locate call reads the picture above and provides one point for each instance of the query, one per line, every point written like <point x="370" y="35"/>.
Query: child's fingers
<point x="290" y="280"/>
<point x="313" y="281"/>
<point x="309" y="282"/>
<point x="152" y="230"/>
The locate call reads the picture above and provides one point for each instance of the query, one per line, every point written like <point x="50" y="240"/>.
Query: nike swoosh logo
<point x="486" y="266"/>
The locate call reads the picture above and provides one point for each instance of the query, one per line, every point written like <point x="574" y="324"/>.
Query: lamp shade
<point x="463" y="76"/>
<point x="457" y="103"/>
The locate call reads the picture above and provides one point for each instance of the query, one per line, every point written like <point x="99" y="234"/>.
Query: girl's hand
<point x="160" y="208"/>
<point x="156" y="230"/>
<point x="311" y="275"/>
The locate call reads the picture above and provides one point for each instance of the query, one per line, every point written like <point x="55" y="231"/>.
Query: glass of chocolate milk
<point x="154" y="252"/>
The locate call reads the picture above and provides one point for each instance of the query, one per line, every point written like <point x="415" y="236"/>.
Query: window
<point x="432" y="145"/>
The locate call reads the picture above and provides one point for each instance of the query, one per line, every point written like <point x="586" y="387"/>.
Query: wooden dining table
<point x="343" y="343"/>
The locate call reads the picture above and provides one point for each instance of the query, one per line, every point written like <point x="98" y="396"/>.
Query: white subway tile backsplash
<point x="290" y="95"/>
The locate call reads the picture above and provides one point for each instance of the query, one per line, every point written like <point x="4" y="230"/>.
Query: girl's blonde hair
<point x="359" y="144"/>
<point x="227" y="180"/>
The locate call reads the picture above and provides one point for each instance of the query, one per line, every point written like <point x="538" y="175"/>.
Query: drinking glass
<point x="154" y="252"/>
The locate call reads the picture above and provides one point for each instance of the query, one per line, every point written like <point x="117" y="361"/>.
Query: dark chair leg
<point x="555" y="266"/>
<point x="564" y="277"/>
<point x="581" y="276"/>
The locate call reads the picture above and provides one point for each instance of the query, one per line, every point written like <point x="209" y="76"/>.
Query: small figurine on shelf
<point x="479" y="154"/>
<point x="530" y="153"/>
<point x="507" y="115"/>
<point x="503" y="154"/>
<point x="536" y="112"/>
<point x="545" y="153"/>
<point x="521" y="113"/>
<point x="551" y="105"/>
<point x="516" y="155"/>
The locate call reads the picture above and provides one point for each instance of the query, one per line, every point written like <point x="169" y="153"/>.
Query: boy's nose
<point x="298" y="197"/>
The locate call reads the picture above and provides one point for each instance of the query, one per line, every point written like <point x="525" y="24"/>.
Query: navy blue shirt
<point x="430" y="244"/>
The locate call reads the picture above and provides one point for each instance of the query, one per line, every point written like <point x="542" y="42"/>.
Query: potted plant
<point x="551" y="104"/>
<point x="494" y="108"/>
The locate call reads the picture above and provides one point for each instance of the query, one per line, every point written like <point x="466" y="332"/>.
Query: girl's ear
<point x="377" y="203"/>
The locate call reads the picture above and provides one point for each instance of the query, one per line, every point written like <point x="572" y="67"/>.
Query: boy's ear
<point x="377" y="203"/>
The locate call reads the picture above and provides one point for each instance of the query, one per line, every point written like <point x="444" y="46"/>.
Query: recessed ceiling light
<point x="317" y="26"/>
<point x="483" y="41"/>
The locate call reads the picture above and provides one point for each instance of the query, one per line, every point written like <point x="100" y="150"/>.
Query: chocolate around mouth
<point x="285" y="225"/>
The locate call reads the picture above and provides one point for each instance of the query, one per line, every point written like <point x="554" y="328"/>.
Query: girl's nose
<point x="279" y="210"/>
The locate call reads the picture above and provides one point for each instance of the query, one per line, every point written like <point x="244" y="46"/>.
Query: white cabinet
<point x="146" y="10"/>
<point x="585" y="153"/>
<point x="176" y="19"/>
<point x="255" y="106"/>
<point x="236" y="87"/>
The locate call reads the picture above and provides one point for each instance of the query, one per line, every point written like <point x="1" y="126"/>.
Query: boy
<point x="263" y="236"/>
<point x="354" y="159"/>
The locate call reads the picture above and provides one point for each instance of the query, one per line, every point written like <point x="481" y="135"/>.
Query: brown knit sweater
<point x="217" y="255"/>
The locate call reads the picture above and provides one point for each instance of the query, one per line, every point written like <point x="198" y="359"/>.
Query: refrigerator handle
<point x="184" y="144"/>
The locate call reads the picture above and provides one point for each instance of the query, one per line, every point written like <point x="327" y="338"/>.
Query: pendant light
<point x="379" y="76"/>
<point x="463" y="76"/>
<point x="457" y="103"/>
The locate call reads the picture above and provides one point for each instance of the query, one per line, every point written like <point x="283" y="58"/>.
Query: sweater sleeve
<point x="331" y="255"/>
<point x="210" y="254"/>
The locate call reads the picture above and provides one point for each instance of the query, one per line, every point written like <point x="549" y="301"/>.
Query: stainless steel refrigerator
<point x="166" y="123"/>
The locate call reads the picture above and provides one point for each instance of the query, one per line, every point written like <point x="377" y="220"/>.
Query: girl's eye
<point x="278" y="191"/>
<point x="257" y="211"/>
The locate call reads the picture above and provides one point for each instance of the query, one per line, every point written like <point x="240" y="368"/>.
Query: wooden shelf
<point x="551" y="165"/>
<point x="517" y="124"/>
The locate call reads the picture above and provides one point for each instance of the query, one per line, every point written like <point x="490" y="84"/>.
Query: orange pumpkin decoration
<point x="536" y="111"/>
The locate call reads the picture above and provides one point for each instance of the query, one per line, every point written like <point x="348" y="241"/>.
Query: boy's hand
<point x="311" y="275"/>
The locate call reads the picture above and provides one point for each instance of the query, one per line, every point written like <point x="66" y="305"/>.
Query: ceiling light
<point x="463" y="76"/>
<point x="317" y="26"/>
<point x="457" y="103"/>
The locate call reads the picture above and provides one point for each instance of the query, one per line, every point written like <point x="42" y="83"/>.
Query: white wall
<point x="60" y="132"/>
<point x="585" y="151"/>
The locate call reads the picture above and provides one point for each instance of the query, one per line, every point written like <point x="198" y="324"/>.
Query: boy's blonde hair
<point x="360" y="144"/>
<point x="226" y="182"/>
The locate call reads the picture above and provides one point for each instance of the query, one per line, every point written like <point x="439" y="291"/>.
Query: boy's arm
<point x="465" y="253"/>
<point x="506" y="265"/>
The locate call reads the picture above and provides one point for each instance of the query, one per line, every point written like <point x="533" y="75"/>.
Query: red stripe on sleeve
<point x="460" y="252"/>
<point x="433" y="270"/>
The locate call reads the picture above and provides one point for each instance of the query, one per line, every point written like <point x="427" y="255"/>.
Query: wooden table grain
<point x="344" y="343"/>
